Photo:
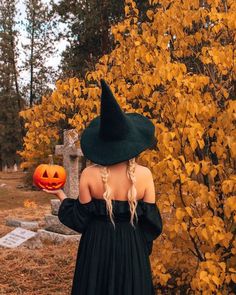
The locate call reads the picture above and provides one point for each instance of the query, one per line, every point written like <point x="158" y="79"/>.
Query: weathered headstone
<point x="72" y="161"/>
<point x="16" y="237"/>
<point x="15" y="168"/>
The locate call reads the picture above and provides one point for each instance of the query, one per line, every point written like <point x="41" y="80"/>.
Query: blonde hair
<point x="132" y="192"/>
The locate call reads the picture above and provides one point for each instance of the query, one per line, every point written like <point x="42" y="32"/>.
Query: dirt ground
<point x="47" y="270"/>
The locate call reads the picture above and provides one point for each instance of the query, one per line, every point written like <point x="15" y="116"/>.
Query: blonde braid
<point x="107" y="194"/>
<point x="132" y="193"/>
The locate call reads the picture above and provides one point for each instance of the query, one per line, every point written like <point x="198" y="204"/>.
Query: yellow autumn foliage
<point x="179" y="69"/>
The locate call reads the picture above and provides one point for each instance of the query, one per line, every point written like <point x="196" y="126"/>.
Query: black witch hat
<point x="115" y="136"/>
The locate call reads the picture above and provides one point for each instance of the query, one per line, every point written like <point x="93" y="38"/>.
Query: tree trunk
<point x="31" y="61"/>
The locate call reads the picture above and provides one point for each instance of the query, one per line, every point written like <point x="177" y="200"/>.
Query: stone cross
<point x="72" y="162"/>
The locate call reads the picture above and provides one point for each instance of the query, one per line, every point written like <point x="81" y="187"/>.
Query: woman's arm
<point x="149" y="194"/>
<point x="84" y="191"/>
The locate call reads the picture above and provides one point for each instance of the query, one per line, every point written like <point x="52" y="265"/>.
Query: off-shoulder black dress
<point x="112" y="261"/>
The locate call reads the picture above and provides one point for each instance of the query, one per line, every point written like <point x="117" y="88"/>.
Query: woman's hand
<point x="59" y="193"/>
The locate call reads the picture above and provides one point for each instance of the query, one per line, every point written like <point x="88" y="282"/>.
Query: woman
<point x="116" y="210"/>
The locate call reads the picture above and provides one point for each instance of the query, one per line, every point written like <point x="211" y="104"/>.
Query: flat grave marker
<point x="16" y="237"/>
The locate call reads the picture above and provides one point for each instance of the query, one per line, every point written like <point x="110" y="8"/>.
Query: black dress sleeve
<point x="150" y="223"/>
<point x="74" y="214"/>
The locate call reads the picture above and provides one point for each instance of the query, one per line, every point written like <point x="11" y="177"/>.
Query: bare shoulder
<point x="144" y="170"/>
<point x="88" y="171"/>
<point x="149" y="195"/>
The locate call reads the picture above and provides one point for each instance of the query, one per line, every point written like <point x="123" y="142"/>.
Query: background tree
<point x="10" y="99"/>
<point x="89" y="34"/>
<point x="40" y="33"/>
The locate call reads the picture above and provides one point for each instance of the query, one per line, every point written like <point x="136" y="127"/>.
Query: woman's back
<point x="118" y="182"/>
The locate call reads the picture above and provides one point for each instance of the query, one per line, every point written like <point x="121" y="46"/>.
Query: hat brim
<point x="141" y="137"/>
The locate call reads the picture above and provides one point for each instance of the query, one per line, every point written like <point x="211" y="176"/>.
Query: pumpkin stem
<point x="50" y="159"/>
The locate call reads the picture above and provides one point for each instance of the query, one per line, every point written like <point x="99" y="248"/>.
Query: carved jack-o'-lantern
<point x="48" y="176"/>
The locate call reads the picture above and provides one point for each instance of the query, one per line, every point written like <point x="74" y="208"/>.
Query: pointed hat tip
<point x="103" y="82"/>
<point x="106" y="90"/>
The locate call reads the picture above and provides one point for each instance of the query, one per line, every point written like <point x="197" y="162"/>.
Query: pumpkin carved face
<point x="51" y="177"/>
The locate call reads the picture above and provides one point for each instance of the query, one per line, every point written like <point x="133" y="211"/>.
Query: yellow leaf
<point x="231" y="269"/>
<point x="148" y="57"/>
<point x="50" y="108"/>
<point x="198" y="36"/>
<point x="216" y="280"/>
<point x="126" y="10"/>
<point x="183" y="177"/>
<point x="219" y="151"/>
<point x="47" y="140"/>
<point x="231" y="203"/>
<point x="176" y="163"/>
<point x="204" y="233"/>
<point x="227" y="186"/>
<point x="189" y="210"/>
<point x="193" y="142"/>
<point x="196" y="168"/>
<point x="179" y="213"/>
<point x="222" y="265"/>
<point x="182" y="159"/>
<point x="233" y="277"/>
<point x="65" y="87"/>
<point x="213" y="172"/>
<point x="201" y="143"/>
<point x="189" y="168"/>
<point x="169" y="74"/>
<point x="203" y="274"/>
<point x="205" y="168"/>
<point x="150" y="14"/>
<point x="184" y="226"/>
<point x="233" y="149"/>
<point x="172" y="198"/>
<point x="176" y="227"/>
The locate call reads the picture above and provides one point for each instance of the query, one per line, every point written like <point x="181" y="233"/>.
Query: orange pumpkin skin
<point x="51" y="177"/>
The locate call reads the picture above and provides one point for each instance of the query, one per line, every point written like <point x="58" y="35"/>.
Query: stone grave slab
<point x="55" y="204"/>
<point x="17" y="222"/>
<point x="13" y="221"/>
<point x="53" y="224"/>
<point x="57" y="238"/>
<point x="31" y="225"/>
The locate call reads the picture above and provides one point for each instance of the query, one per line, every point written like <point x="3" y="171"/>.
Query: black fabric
<point x="112" y="261"/>
<point x="114" y="125"/>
